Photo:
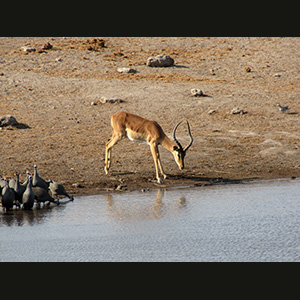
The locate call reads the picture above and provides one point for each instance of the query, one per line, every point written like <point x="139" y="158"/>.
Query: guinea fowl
<point x="2" y="182"/>
<point x="41" y="195"/>
<point x="57" y="189"/>
<point x="28" y="196"/>
<point x="18" y="188"/>
<point x="8" y="196"/>
<point x="39" y="181"/>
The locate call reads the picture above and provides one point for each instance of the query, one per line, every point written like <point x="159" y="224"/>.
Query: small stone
<point x="28" y="49"/>
<point x="47" y="46"/>
<point x="58" y="59"/>
<point x="277" y="75"/>
<point x="212" y="72"/>
<point x="105" y="100"/>
<point x="126" y="70"/>
<point x="212" y="111"/>
<point x="248" y="69"/>
<point x="237" y="111"/>
<point x="196" y="92"/>
<point x="8" y="120"/>
<point x="77" y="185"/>
<point x="93" y="103"/>
<point x="119" y="188"/>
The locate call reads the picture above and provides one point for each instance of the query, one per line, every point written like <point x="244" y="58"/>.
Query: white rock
<point x="126" y="70"/>
<point x="212" y="111"/>
<point x="196" y="92"/>
<point x="28" y="49"/>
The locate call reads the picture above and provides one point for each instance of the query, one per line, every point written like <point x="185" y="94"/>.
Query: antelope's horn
<point x="174" y="135"/>
<point x="191" y="138"/>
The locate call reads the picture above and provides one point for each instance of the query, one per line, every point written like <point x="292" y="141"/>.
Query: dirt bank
<point x="51" y="91"/>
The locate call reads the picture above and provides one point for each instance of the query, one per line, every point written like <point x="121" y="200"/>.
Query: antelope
<point x="141" y="130"/>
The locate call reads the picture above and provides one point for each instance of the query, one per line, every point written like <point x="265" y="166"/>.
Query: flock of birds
<point x="34" y="188"/>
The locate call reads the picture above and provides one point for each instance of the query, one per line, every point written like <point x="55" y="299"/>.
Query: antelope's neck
<point x="168" y="144"/>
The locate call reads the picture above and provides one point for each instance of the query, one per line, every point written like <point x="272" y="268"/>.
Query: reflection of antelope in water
<point x="140" y="210"/>
<point x="138" y="129"/>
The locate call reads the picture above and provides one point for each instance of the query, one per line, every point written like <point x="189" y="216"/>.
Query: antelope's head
<point x="178" y="151"/>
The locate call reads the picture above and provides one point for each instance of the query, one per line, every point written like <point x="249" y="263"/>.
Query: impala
<point x="138" y="129"/>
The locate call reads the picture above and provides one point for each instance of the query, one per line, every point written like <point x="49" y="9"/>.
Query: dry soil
<point x="51" y="92"/>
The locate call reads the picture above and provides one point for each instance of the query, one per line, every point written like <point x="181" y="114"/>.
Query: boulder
<point x="160" y="61"/>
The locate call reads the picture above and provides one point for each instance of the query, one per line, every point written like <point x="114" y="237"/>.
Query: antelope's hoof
<point x="105" y="170"/>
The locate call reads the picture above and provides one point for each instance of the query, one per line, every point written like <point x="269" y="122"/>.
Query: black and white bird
<point x="39" y="181"/>
<point x="41" y="196"/>
<point x="7" y="196"/>
<point x="28" y="196"/>
<point x="18" y="188"/>
<point x="57" y="189"/>
<point x="282" y="108"/>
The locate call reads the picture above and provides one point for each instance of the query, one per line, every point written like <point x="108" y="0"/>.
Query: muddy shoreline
<point x="56" y="95"/>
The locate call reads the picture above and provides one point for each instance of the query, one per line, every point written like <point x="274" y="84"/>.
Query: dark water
<point x="242" y="222"/>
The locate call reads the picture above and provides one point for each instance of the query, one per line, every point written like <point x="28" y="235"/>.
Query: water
<point x="257" y="221"/>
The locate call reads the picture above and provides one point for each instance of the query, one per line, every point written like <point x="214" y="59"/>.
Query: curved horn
<point x="191" y="141"/>
<point x="174" y="135"/>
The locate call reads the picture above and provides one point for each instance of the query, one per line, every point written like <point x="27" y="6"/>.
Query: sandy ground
<point x="51" y="91"/>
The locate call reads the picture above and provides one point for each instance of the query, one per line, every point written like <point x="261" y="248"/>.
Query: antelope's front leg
<point x="108" y="147"/>
<point x="161" y="168"/>
<point x="155" y="154"/>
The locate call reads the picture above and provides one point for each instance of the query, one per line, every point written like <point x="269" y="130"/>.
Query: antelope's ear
<point x="175" y="148"/>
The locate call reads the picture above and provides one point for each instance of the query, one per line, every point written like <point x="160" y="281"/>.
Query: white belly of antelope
<point x="135" y="137"/>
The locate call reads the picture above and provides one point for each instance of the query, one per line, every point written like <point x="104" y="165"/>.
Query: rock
<point x="196" y="92"/>
<point x="247" y="69"/>
<point x="276" y="75"/>
<point x="160" y="61"/>
<point x="120" y="187"/>
<point x="212" y="111"/>
<point x="126" y="70"/>
<point x="58" y="59"/>
<point x="47" y="46"/>
<point x="237" y="111"/>
<point x="105" y="100"/>
<point x="8" y="120"/>
<point x="28" y="49"/>
<point x="77" y="185"/>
